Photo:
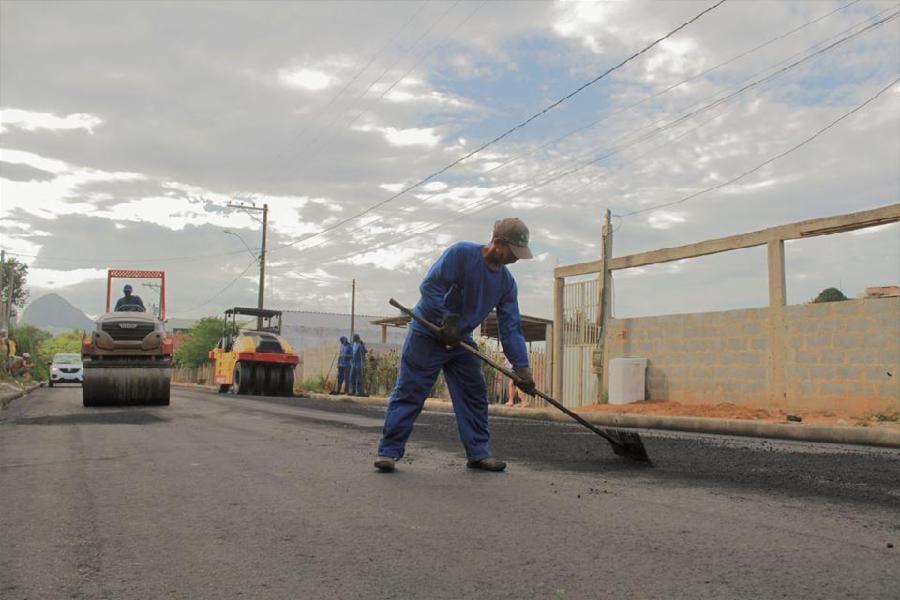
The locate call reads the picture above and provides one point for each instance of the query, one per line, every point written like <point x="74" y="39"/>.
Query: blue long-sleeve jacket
<point x="129" y="301"/>
<point x="345" y="355"/>
<point x="461" y="282"/>
<point x="358" y="354"/>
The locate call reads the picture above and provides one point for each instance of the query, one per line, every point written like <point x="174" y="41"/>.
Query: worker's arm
<point x="441" y="278"/>
<point x="509" y="324"/>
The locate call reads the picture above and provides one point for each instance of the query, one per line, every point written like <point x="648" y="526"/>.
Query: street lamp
<point x="229" y="232"/>
<point x="262" y="252"/>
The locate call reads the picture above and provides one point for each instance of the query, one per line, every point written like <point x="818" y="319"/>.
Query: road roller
<point x="257" y="360"/>
<point x="128" y="356"/>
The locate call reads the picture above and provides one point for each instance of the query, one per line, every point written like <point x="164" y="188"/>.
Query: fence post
<point x="556" y="371"/>
<point x="777" y="301"/>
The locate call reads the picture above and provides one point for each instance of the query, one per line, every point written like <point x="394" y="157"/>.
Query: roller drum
<point x="111" y="384"/>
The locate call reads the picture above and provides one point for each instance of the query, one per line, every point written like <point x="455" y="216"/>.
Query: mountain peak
<point x="55" y="314"/>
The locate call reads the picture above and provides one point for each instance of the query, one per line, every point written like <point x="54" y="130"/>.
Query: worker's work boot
<point x="486" y="464"/>
<point x="385" y="464"/>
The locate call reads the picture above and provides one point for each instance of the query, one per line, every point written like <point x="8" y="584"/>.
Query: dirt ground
<point x="727" y="410"/>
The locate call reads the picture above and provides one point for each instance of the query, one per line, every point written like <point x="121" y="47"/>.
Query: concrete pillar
<point x="556" y="370"/>
<point x="777" y="345"/>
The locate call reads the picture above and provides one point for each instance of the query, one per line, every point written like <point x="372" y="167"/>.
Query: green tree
<point x="202" y="338"/>
<point x="68" y="342"/>
<point x="830" y="295"/>
<point x="12" y="284"/>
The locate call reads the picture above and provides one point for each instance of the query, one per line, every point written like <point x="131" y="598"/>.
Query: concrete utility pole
<point x="603" y="318"/>
<point x="3" y="324"/>
<point x="262" y="262"/>
<point x="262" y="253"/>
<point x="352" y="310"/>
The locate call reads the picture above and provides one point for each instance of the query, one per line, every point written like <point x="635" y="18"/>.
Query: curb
<point x="5" y="401"/>
<point x="864" y="436"/>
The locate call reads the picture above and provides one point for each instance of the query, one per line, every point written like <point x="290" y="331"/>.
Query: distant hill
<point x="54" y="313"/>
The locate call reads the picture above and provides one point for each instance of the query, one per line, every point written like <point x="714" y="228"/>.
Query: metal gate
<point x="581" y="337"/>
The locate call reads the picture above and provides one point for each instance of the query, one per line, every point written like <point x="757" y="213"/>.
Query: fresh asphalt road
<point x="240" y="497"/>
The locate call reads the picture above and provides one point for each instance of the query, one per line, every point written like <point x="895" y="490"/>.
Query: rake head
<point x="629" y="445"/>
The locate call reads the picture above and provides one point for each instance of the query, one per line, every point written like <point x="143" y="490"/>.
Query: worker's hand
<point x="525" y="380"/>
<point x="449" y="335"/>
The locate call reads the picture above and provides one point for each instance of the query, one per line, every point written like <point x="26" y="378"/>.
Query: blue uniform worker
<point x="461" y="288"/>
<point x="357" y="365"/>
<point x="129" y="300"/>
<point x="343" y="373"/>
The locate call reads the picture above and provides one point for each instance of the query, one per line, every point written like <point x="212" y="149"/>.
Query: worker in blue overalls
<point x="357" y="365"/>
<point x="343" y="372"/>
<point x="461" y="288"/>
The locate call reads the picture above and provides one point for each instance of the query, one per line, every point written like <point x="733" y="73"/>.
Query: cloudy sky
<point x="127" y="128"/>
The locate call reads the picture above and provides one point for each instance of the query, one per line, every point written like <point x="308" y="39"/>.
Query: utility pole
<point x="3" y="324"/>
<point x="262" y="254"/>
<point x="352" y="310"/>
<point x="603" y="316"/>
<point x="262" y="263"/>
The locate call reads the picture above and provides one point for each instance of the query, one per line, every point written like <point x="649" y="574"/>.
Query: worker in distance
<point x="459" y="291"/>
<point x="129" y="302"/>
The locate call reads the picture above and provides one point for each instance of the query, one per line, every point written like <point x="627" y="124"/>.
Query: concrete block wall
<point x="837" y="356"/>
<point x="697" y="358"/>
<point x="840" y="353"/>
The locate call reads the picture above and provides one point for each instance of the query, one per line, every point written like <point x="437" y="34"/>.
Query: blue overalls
<point x="343" y="376"/>
<point x="358" y="360"/>
<point x="459" y="282"/>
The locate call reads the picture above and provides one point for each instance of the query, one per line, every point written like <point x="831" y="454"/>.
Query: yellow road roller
<point x="256" y="360"/>
<point x="128" y="357"/>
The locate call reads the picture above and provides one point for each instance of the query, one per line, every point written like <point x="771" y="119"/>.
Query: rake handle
<point x="435" y="329"/>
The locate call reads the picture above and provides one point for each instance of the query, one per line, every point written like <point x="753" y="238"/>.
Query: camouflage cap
<point x="515" y="233"/>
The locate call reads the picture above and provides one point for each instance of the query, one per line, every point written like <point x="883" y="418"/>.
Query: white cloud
<point x="33" y="160"/>
<point x="414" y="136"/>
<point x="58" y="278"/>
<point x="392" y="187"/>
<point x="32" y="121"/>
<point x="415" y="90"/>
<point x="662" y="219"/>
<point x="308" y="79"/>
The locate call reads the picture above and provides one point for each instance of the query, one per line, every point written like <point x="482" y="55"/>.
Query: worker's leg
<point x="354" y="372"/>
<point x="420" y="362"/>
<point x="468" y="391"/>
<point x="341" y="375"/>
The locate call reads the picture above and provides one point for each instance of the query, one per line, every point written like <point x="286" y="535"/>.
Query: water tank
<point x="626" y="380"/>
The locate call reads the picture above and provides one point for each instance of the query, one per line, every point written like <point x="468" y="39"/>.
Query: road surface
<point x="239" y="497"/>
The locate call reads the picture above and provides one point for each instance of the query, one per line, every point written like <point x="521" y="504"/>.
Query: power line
<point x="770" y="160"/>
<point x="533" y="183"/>
<point x="593" y="124"/>
<point x="224" y="289"/>
<point x="416" y="64"/>
<point x="522" y="188"/>
<point x="661" y="125"/>
<point x="303" y="151"/>
<point x="518" y="189"/>
<point x="508" y="132"/>
<point x="390" y="42"/>
<point x="127" y="262"/>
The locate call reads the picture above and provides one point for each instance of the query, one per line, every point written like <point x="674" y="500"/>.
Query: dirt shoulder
<point x="727" y="410"/>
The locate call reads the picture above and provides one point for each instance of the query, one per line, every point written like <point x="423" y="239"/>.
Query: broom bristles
<point x="629" y="444"/>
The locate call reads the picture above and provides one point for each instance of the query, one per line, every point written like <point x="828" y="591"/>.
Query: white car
<point x="66" y="368"/>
